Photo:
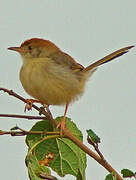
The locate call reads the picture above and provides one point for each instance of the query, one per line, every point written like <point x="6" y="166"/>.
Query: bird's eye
<point x="30" y="47"/>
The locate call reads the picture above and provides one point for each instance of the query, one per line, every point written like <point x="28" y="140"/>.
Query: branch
<point x="45" y="113"/>
<point x="69" y="135"/>
<point x="95" y="145"/>
<point x="102" y="162"/>
<point x="22" y="132"/>
<point x="22" y="116"/>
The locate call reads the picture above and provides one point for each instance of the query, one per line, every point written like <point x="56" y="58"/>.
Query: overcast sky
<point x="87" y="30"/>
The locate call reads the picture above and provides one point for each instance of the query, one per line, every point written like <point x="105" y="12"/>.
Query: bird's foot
<point x="29" y="104"/>
<point x="61" y="125"/>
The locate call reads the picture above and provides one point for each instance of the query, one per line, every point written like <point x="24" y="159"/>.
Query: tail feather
<point x="108" y="58"/>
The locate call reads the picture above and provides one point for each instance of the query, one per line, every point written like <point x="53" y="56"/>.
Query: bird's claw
<point x="61" y="125"/>
<point x="29" y="104"/>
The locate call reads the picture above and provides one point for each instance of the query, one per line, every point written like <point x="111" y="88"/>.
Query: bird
<point x="51" y="76"/>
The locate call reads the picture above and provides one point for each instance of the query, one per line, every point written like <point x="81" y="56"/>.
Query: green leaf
<point x="110" y="177"/>
<point x="68" y="158"/>
<point x="34" y="169"/>
<point x="44" y="126"/>
<point x="127" y="173"/>
<point x="93" y="136"/>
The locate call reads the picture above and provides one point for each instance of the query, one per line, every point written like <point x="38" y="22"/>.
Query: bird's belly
<point x="50" y="85"/>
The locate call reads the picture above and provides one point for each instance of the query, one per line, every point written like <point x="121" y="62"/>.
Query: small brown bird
<point x="53" y="77"/>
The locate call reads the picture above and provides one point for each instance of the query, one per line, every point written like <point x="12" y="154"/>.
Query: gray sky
<point x="87" y="30"/>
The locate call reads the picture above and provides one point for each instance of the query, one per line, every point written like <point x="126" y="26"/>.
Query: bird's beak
<point x="18" y="49"/>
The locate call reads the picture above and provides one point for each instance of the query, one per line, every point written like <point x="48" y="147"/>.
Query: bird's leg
<point x="62" y="122"/>
<point x="29" y="103"/>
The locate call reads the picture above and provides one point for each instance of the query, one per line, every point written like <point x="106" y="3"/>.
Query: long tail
<point x="108" y="58"/>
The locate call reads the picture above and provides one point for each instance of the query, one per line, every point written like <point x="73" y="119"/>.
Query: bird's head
<point x="35" y="47"/>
